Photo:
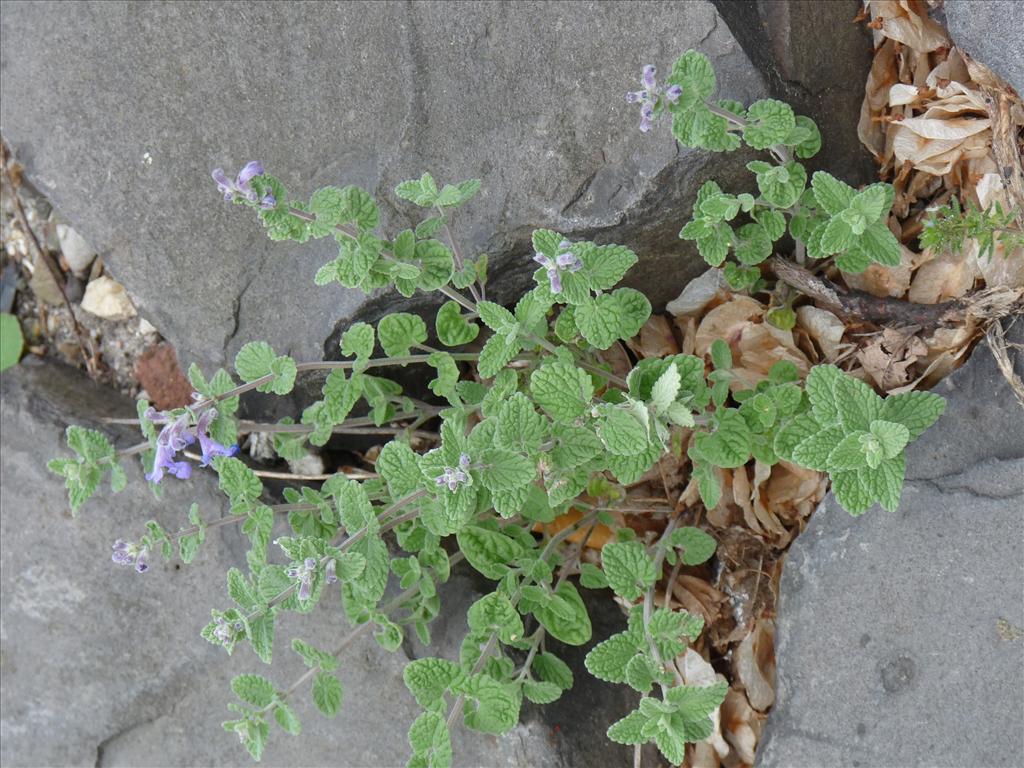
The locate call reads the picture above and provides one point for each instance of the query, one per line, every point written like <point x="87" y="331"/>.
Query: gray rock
<point x="815" y="58"/>
<point x="526" y="96"/>
<point x="102" y="666"/>
<point x="119" y="111"/>
<point x="990" y="31"/>
<point x="895" y="639"/>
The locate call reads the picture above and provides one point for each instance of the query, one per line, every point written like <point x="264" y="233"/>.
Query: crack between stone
<point x="102" y="746"/>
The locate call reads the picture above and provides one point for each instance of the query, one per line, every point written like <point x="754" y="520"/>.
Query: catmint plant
<point x="530" y="424"/>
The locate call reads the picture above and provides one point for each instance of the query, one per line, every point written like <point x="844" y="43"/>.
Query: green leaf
<point x="851" y="491"/>
<point x="490" y="706"/>
<point x="400" y="331"/>
<point x="848" y="453"/>
<point x="707" y="484"/>
<point x="427" y="679"/>
<point x="496" y="317"/>
<point x="327" y="693"/>
<point x="629" y="730"/>
<point x="254" y="689"/>
<point x="497" y="353"/>
<point x="495" y="613"/>
<point x="504" y="470"/>
<point x="820" y="386"/>
<point x="552" y="669"/>
<point x="753" y="244"/>
<point x="832" y="195"/>
<point x="671" y="630"/>
<point x="520" y="427"/>
<point x="885" y="483"/>
<point x="287" y="719"/>
<point x="729" y="445"/>
<point x="541" y="692"/>
<point x="608" y="659"/>
<point x="872" y="201"/>
<point x="11" y="341"/>
<point x="358" y="341"/>
<point x="805" y="138"/>
<point x="572" y="624"/>
<point x="858" y="404"/>
<point x="547" y="242"/>
<point x="359" y="208"/>
<point x="447" y="374"/>
<point x="697" y="546"/>
<point x="880" y="245"/>
<point x="629" y="570"/>
<point x="314" y="657"/>
<point x="256" y="360"/>
<point x="915" y="410"/>
<point x="621" y="431"/>
<point x="422" y="191"/>
<point x="892" y="437"/>
<point x="694" y="74"/>
<point x="813" y="452"/>
<point x="768" y="122"/>
<point x="605" y="265"/>
<point x="397" y="464"/>
<point x="237" y="481"/>
<point x="837" y="236"/>
<point x="488" y="551"/>
<point x="453" y="329"/>
<point x="773" y="222"/>
<point x="562" y="390"/>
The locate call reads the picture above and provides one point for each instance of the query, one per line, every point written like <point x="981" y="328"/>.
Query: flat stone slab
<point x="990" y="31"/>
<point x="900" y="637"/>
<point x="102" y="666"/>
<point x="120" y="110"/>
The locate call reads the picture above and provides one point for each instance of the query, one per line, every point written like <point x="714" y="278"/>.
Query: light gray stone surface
<point x="990" y="31"/>
<point x="888" y="639"/>
<point x="102" y="666"/>
<point x="119" y="111"/>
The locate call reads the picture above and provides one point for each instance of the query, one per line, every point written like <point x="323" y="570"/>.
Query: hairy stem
<point x="659" y="562"/>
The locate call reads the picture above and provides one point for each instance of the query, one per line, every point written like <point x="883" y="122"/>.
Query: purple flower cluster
<point x="176" y="435"/>
<point x="453" y="477"/>
<point x="647" y="98"/>
<point x="304" y="573"/>
<point x="225" y="631"/>
<point x="126" y="553"/>
<point x="565" y="260"/>
<point x="241" y="185"/>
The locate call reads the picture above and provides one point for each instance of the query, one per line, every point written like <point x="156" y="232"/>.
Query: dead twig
<point x="850" y="304"/>
<point x="42" y="255"/>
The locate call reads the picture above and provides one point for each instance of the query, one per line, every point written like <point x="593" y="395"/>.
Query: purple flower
<point x="241" y="185"/>
<point x="210" y="447"/>
<point x="226" y="631"/>
<point x="565" y="261"/>
<point x="127" y="553"/>
<point x="172" y="438"/>
<point x="453" y="477"/>
<point x="123" y="554"/>
<point x="330" y="574"/>
<point x="648" y="97"/>
<point x="304" y="573"/>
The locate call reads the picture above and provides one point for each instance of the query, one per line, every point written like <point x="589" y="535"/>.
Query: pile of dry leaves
<point x="940" y="125"/>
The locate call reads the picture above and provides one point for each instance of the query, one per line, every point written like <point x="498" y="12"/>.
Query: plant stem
<point x="779" y="150"/>
<point x="659" y="561"/>
<point x="327" y="365"/>
<point x="358" y="632"/>
<point x="354" y="539"/>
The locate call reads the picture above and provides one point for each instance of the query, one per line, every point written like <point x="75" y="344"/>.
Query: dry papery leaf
<point x="756" y="345"/>
<point x="889" y="358"/>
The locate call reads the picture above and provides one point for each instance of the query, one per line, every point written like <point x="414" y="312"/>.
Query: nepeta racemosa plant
<point x="530" y="424"/>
